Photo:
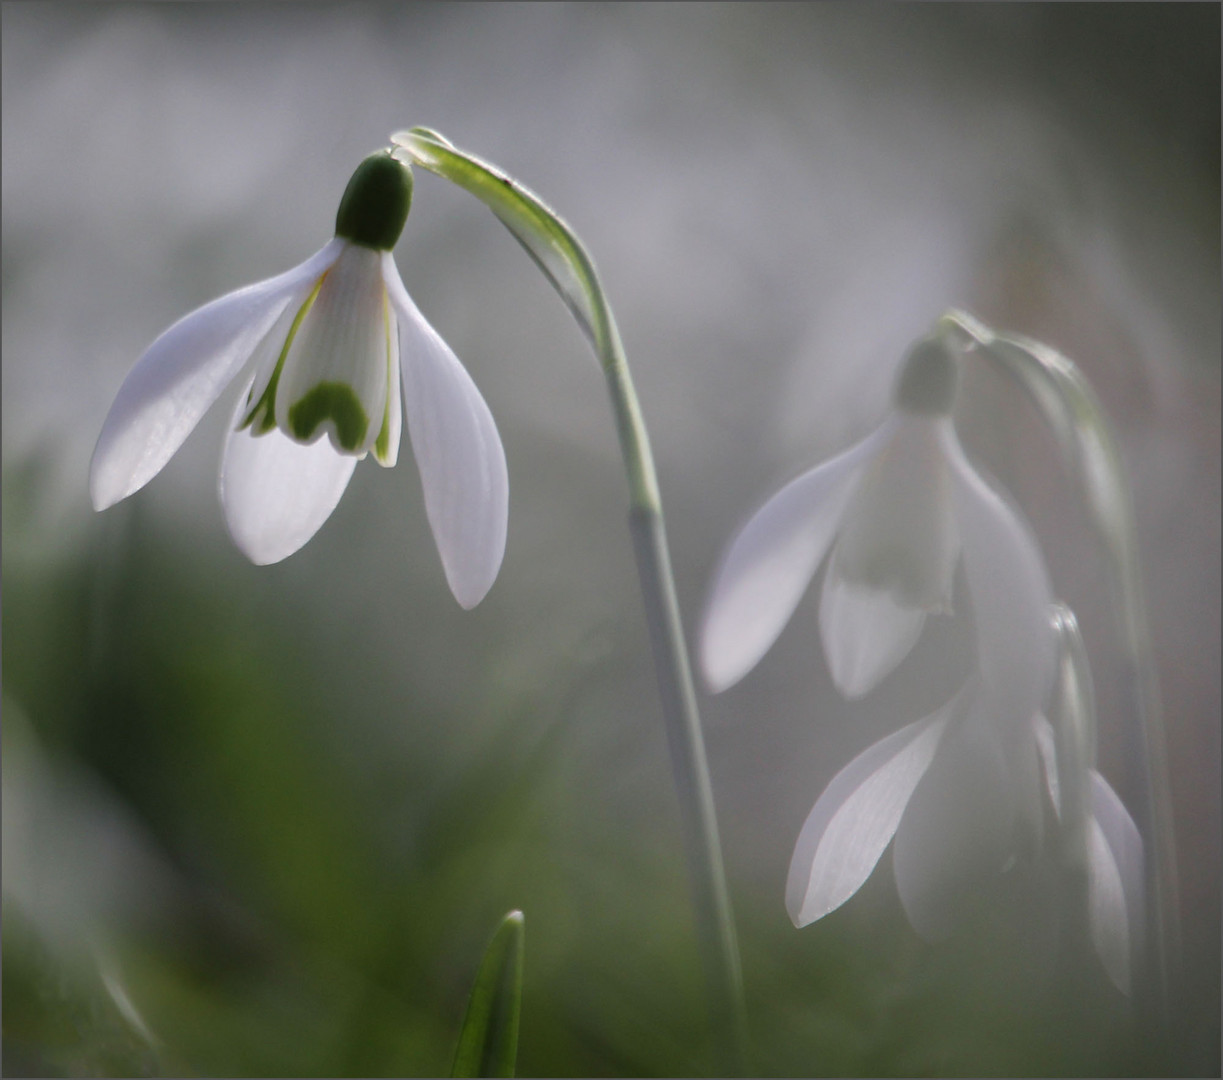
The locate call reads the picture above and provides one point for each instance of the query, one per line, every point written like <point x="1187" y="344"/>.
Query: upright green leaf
<point x="488" y="1042"/>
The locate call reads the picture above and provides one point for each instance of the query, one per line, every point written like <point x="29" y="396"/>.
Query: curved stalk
<point x="1070" y="407"/>
<point x="565" y="262"/>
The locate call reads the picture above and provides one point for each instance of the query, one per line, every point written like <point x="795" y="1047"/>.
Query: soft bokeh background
<point x="262" y="820"/>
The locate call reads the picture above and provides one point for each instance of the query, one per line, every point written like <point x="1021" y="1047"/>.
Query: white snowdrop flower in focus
<point x="896" y="511"/>
<point x="322" y="352"/>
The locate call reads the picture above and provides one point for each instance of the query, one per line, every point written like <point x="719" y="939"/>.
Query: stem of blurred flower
<point x="1071" y="408"/>
<point x="565" y="262"/>
<point x="1074" y="714"/>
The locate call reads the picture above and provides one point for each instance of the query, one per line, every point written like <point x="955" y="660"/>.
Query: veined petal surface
<point x="1010" y="593"/>
<point x="277" y="492"/>
<point x="1115" y="886"/>
<point x="458" y="451"/>
<point x="772" y="560"/>
<point x="864" y="631"/>
<point x="182" y="373"/>
<point x="335" y="377"/>
<point x="854" y="819"/>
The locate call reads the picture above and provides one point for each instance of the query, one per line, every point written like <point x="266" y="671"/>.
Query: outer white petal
<point x="1115" y="889"/>
<point x="865" y="632"/>
<point x="277" y="492"/>
<point x="342" y="350"/>
<point x="770" y="563"/>
<point x="958" y="829"/>
<point x="1046" y="745"/>
<point x="182" y="373"/>
<point x="458" y="452"/>
<point x="855" y="818"/>
<point x="1010" y="595"/>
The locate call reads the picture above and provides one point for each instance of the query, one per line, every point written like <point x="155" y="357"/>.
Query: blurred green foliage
<point x="328" y="911"/>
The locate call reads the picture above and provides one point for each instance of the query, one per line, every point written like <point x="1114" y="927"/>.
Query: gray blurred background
<point x="332" y="780"/>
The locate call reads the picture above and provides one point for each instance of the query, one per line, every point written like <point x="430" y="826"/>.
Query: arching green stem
<point x="1084" y="435"/>
<point x="564" y="261"/>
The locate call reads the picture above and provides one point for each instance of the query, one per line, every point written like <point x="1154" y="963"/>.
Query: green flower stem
<point x="1074" y="730"/>
<point x="1070" y="407"/>
<point x="565" y="262"/>
<point x="1072" y="713"/>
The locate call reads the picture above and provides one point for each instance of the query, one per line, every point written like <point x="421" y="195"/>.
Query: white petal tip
<point x="100" y="500"/>
<point x="717" y="671"/>
<point x="469" y="600"/>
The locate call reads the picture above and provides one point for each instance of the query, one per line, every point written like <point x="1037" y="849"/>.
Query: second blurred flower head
<point x="897" y="511"/>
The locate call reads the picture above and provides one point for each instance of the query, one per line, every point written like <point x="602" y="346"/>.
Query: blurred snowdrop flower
<point x="896" y="510"/>
<point x="322" y="350"/>
<point x="959" y="791"/>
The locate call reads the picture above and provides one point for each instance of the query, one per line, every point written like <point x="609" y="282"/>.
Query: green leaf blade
<point x="488" y="1041"/>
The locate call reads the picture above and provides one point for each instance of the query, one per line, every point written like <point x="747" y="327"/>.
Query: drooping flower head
<point x="325" y="353"/>
<point x="893" y="514"/>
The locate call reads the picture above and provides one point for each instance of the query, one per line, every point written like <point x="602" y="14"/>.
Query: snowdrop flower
<point x="959" y="791"/>
<point x="896" y="511"/>
<point x="321" y="353"/>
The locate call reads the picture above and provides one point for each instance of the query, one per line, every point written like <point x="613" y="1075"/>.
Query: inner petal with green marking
<point x="335" y="402"/>
<point x="334" y="377"/>
<point x="262" y="412"/>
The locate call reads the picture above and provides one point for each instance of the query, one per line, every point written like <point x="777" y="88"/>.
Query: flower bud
<point x="375" y="203"/>
<point x="928" y="379"/>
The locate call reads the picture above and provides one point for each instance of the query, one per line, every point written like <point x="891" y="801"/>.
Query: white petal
<point x="1115" y="885"/>
<point x="898" y="533"/>
<point x="958" y="829"/>
<point x="770" y="563"/>
<point x="865" y="633"/>
<point x="277" y="492"/>
<point x="181" y="374"/>
<point x="386" y="448"/>
<point x="265" y="360"/>
<point x="855" y="818"/>
<point x="458" y="452"/>
<point x="1010" y="592"/>
<point x="1046" y="744"/>
<point x="335" y="376"/>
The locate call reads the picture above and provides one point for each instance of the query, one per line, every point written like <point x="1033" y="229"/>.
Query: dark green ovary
<point x="335" y="402"/>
